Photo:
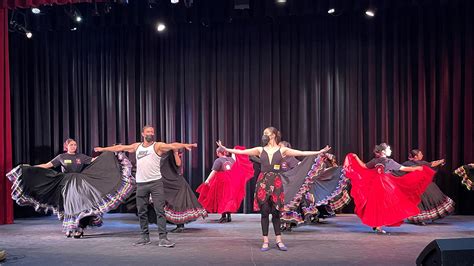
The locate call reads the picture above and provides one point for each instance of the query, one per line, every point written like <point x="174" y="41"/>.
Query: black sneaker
<point x="178" y="229"/>
<point x="166" y="243"/>
<point x="143" y="241"/>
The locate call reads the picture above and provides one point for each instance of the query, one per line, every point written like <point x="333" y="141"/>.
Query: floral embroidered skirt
<point x="269" y="186"/>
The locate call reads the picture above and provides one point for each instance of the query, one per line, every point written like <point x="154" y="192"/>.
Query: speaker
<point x="458" y="251"/>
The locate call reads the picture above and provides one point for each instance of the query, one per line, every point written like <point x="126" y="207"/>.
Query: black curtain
<point x="404" y="77"/>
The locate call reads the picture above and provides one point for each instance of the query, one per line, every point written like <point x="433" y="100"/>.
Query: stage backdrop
<point x="404" y="77"/>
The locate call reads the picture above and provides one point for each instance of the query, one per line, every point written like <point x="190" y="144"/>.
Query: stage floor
<point x="340" y="240"/>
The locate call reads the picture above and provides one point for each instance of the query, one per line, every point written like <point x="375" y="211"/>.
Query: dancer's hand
<point x="98" y="149"/>
<point x="325" y="149"/>
<point x="190" y="146"/>
<point x="219" y="143"/>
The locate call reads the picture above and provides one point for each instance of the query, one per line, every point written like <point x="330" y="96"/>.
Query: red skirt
<point x="226" y="190"/>
<point x="382" y="199"/>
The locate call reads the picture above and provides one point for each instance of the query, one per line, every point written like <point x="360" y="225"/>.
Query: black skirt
<point x="434" y="205"/>
<point x="79" y="199"/>
<point x="181" y="204"/>
<point x="466" y="172"/>
<point x="317" y="181"/>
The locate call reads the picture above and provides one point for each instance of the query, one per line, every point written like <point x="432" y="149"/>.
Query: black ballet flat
<point x="69" y="234"/>
<point x="177" y="230"/>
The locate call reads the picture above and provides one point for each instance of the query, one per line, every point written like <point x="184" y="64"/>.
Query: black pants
<point x="156" y="190"/>
<point x="265" y="210"/>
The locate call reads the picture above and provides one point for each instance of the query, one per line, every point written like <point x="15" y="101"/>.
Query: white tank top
<point x="148" y="164"/>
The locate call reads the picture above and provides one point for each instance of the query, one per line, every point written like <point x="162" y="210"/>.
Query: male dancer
<point x="149" y="180"/>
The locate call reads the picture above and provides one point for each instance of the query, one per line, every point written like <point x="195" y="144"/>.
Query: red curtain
<point x="32" y="3"/>
<point x="6" y="206"/>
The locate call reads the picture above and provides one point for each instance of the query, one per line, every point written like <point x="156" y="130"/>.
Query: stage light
<point x="160" y="27"/>
<point x="370" y="13"/>
<point x="331" y="11"/>
<point x="281" y="1"/>
<point x="174" y="1"/>
<point x="35" y="10"/>
<point x="21" y="28"/>
<point x="74" y="29"/>
<point x="73" y="13"/>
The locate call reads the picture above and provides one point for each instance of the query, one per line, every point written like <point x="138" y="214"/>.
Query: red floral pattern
<point x="269" y="187"/>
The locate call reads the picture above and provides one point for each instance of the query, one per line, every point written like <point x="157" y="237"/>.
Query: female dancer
<point x="314" y="189"/>
<point x="288" y="162"/>
<point x="381" y="198"/>
<point x="434" y="204"/>
<point x="269" y="195"/>
<point x="181" y="205"/>
<point x="78" y="195"/>
<point x="224" y="189"/>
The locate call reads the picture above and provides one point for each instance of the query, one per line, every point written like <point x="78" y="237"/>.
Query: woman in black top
<point x="269" y="195"/>
<point x="70" y="161"/>
<point x="434" y="204"/>
<point x="80" y="194"/>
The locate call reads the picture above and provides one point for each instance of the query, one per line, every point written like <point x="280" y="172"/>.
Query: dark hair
<point x="66" y="143"/>
<point x="277" y="133"/>
<point x="221" y="151"/>
<point x="146" y="126"/>
<point x="380" y="148"/>
<point x="413" y="153"/>
<point x="285" y="144"/>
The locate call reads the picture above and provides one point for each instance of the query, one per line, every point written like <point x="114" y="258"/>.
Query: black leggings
<point x="265" y="210"/>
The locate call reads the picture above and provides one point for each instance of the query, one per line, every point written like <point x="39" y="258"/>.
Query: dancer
<point x="149" y="180"/>
<point x="79" y="195"/>
<point x="466" y="172"/>
<point x="381" y="198"/>
<point x="181" y="204"/>
<point x="269" y="195"/>
<point x="314" y="189"/>
<point x="224" y="188"/>
<point x="289" y="162"/>
<point x="434" y="204"/>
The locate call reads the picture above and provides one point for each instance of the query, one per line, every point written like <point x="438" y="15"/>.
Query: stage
<point x="340" y="240"/>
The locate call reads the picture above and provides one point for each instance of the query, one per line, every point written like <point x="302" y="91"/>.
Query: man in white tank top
<point x="149" y="180"/>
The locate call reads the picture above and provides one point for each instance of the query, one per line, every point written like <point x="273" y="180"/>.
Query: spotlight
<point x="331" y="11"/>
<point x="160" y="27"/>
<point x="74" y="13"/>
<point x="370" y="12"/>
<point x="35" y="10"/>
<point x="174" y="1"/>
<point x="281" y="1"/>
<point x="14" y="26"/>
<point x="74" y="29"/>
